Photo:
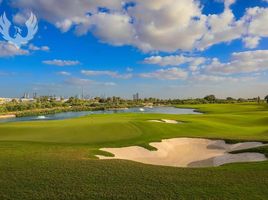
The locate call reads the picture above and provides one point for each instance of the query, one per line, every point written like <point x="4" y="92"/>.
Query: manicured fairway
<point x="55" y="159"/>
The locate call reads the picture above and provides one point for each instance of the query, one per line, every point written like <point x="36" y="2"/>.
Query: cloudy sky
<point x="159" y="48"/>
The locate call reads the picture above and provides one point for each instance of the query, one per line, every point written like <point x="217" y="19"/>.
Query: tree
<point x="210" y="98"/>
<point x="258" y="100"/>
<point x="266" y="98"/>
<point x="240" y="100"/>
<point x="230" y="99"/>
<point x="14" y="101"/>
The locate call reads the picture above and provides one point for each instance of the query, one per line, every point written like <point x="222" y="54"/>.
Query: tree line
<point x="98" y="103"/>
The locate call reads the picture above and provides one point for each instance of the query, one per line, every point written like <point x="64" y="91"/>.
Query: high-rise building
<point x="34" y="95"/>
<point x="26" y="95"/>
<point x="136" y="97"/>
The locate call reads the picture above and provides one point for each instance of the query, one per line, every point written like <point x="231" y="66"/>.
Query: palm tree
<point x="266" y="98"/>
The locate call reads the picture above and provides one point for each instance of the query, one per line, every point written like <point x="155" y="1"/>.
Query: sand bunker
<point x="188" y="152"/>
<point x="7" y="116"/>
<point x="168" y="121"/>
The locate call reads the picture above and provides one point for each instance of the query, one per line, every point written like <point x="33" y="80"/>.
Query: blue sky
<point x="160" y="48"/>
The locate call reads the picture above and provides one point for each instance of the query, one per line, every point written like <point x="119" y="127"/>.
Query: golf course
<point x="57" y="159"/>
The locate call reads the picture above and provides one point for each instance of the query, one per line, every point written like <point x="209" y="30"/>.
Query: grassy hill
<point x="55" y="159"/>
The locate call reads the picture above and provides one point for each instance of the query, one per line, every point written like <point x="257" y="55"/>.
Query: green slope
<point x="54" y="159"/>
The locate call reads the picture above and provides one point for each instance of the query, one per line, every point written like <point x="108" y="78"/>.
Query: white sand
<point x="168" y="121"/>
<point x="187" y="152"/>
<point x="157" y="121"/>
<point x="7" y="116"/>
<point x="235" y="158"/>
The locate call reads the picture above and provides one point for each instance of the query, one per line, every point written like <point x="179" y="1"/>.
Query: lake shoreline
<point x="56" y="110"/>
<point x="49" y="111"/>
<point x="74" y="113"/>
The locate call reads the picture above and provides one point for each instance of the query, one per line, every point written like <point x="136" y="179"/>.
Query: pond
<point x="68" y="115"/>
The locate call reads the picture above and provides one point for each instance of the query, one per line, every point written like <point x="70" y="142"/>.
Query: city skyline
<point x="163" y="49"/>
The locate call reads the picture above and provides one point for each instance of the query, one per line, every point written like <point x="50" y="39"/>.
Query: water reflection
<point x="68" y="115"/>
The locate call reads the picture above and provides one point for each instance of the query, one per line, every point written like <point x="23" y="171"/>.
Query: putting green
<point x="36" y="156"/>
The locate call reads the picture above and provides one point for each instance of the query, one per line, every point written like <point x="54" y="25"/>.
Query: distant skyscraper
<point x="82" y="93"/>
<point x="136" y="97"/>
<point x="26" y="95"/>
<point x="34" y="95"/>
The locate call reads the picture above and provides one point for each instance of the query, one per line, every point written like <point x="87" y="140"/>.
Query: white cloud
<point x="222" y="28"/>
<point x="166" y="74"/>
<point x="241" y="62"/>
<point x="200" y="69"/>
<point x="153" y="25"/>
<point x="87" y="82"/>
<point x="149" y="25"/>
<point x="168" y="60"/>
<point x="21" y="17"/>
<point x="9" y="50"/>
<point x="174" y="60"/>
<point x="63" y="73"/>
<point x="61" y="63"/>
<point x="78" y="81"/>
<point x="212" y="78"/>
<point x="106" y="73"/>
<point x="258" y="21"/>
<point x="129" y="69"/>
<point x="36" y="48"/>
<point x="167" y="25"/>
<point x="107" y="84"/>
<point x="251" y="42"/>
<point x="228" y="3"/>
<point x="66" y="13"/>
<point x="114" y="28"/>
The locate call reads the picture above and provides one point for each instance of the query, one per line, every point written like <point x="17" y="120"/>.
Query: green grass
<point x="55" y="159"/>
